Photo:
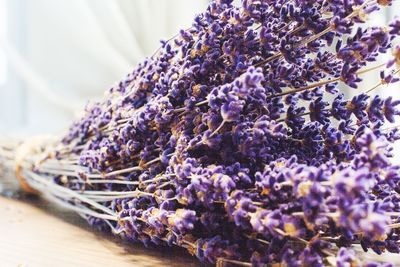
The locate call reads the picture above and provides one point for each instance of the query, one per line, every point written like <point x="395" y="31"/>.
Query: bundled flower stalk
<point x="235" y="140"/>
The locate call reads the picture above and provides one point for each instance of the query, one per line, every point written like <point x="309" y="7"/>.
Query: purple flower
<point x="390" y="109"/>
<point x="223" y="183"/>
<point x="347" y="257"/>
<point x="362" y="218"/>
<point x="182" y="220"/>
<point x="265" y="222"/>
<point x="231" y="110"/>
<point x="318" y="111"/>
<point x="394" y="26"/>
<point x="340" y="109"/>
<point x="293" y="226"/>
<point x="375" y="108"/>
<point x="358" y="106"/>
<point x="374" y="150"/>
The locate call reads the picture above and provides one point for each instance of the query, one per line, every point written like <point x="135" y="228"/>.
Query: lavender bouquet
<point x="236" y="141"/>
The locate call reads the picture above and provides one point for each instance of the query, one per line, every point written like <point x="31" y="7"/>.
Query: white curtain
<point x="61" y="53"/>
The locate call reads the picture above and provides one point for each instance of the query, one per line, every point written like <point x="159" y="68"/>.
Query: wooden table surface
<point x="34" y="233"/>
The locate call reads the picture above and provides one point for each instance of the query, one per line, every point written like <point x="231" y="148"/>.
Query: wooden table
<point x="34" y="233"/>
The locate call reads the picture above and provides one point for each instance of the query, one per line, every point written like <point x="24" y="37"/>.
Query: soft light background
<point x="55" y="55"/>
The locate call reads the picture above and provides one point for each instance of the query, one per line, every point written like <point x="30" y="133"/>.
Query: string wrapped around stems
<point x="225" y="142"/>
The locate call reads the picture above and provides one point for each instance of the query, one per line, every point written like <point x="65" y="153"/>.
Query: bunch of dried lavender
<point x="224" y="141"/>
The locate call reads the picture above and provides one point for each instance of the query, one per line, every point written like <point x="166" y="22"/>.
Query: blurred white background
<point x="55" y="55"/>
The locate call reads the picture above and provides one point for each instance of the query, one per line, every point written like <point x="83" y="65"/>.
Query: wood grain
<point x="35" y="233"/>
